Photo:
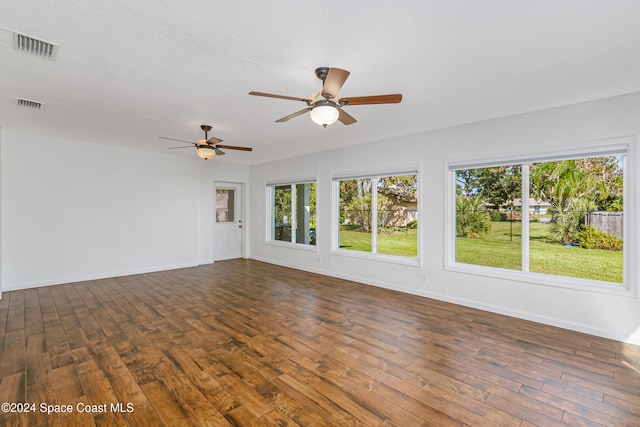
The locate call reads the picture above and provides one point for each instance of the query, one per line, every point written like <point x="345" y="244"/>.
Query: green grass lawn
<point x="400" y="243"/>
<point x="501" y="248"/>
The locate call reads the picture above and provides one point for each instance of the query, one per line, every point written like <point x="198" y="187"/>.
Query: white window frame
<point x="270" y="190"/>
<point x="622" y="145"/>
<point x="335" y="215"/>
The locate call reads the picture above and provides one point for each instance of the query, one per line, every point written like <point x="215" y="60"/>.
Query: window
<point x="560" y="216"/>
<point x="225" y="205"/>
<point x="293" y="212"/>
<point x="379" y="214"/>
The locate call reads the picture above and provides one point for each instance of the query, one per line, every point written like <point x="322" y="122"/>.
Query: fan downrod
<point x="321" y="73"/>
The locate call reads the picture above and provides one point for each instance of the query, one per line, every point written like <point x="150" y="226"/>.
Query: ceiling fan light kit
<point x="325" y="114"/>
<point x="205" y="152"/>
<point x="327" y="108"/>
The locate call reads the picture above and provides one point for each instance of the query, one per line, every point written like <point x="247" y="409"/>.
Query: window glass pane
<point x="397" y="206"/>
<point x="225" y="205"/>
<point x="580" y="233"/>
<point x="293" y="213"/>
<point x="282" y="219"/>
<point x="305" y="218"/>
<point x="488" y="217"/>
<point x="386" y="204"/>
<point x="355" y="214"/>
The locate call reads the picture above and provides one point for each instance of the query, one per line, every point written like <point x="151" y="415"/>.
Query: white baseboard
<point x="83" y="278"/>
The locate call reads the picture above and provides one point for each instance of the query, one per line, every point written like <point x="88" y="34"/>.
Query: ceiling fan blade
<point x="271" y="95"/>
<point x="218" y="151"/>
<point x="173" y="139"/>
<point x="334" y="81"/>
<point x="234" y="147"/>
<point x="173" y="148"/>
<point x="345" y="117"/>
<point x="375" y="99"/>
<point x="293" y="115"/>
<point x="213" y="140"/>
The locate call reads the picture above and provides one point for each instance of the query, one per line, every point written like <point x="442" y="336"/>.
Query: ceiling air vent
<point x="27" y="103"/>
<point x="34" y="46"/>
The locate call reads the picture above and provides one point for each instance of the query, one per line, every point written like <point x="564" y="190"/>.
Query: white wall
<point x="75" y="211"/>
<point x="612" y="316"/>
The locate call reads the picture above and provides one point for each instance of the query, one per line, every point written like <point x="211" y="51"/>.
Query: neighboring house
<point x="405" y="207"/>
<point x="536" y="206"/>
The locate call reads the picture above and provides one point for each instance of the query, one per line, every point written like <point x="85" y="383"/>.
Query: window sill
<point x="292" y="245"/>
<point x="392" y="259"/>
<point x="544" y="280"/>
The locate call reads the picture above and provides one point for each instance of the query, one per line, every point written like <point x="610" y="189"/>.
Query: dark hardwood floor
<point x="247" y="343"/>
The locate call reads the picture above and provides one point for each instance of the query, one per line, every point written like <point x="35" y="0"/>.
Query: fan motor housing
<point x="321" y="73"/>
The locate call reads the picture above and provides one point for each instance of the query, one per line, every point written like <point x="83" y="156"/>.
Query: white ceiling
<point x="130" y="71"/>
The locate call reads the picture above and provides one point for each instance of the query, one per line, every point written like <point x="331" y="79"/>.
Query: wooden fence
<point x="607" y="222"/>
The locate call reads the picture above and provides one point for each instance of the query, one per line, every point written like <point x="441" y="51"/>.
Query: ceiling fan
<point x="208" y="147"/>
<point x="326" y="107"/>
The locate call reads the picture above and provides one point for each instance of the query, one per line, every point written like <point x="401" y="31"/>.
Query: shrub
<point x="498" y="216"/>
<point x="412" y="224"/>
<point x="565" y="225"/>
<point x="470" y="219"/>
<point x="592" y="238"/>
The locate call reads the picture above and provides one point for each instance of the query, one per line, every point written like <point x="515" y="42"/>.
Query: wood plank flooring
<point x="245" y="343"/>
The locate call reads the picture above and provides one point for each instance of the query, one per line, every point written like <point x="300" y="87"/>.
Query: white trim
<point x="290" y="182"/>
<point x="293" y="245"/>
<point x="594" y="148"/>
<point x="294" y="212"/>
<point x="270" y="230"/>
<point x="392" y="259"/>
<point x="542" y="279"/>
<point x="335" y="215"/>
<point x="449" y="216"/>
<point x="524" y="217"/>
<point x="109" y="275"/>
<point x="631" y="200"/>
<point x="389" y="170"/>
<point x="374" y="214"/>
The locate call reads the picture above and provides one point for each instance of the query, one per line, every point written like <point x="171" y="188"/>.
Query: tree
<point x="404" y="186"/>
<point x="467" y="182"/>
<point x="562" y="183"/>
<point x="355" y="202"/>
<point x="499" y="186"/>
<point x="282" y="205"/>
<point x="575" y="187"/>
<point x="356" y="197"/>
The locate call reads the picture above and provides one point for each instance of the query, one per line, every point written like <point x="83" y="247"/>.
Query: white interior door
<point x="228" y="226"/>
